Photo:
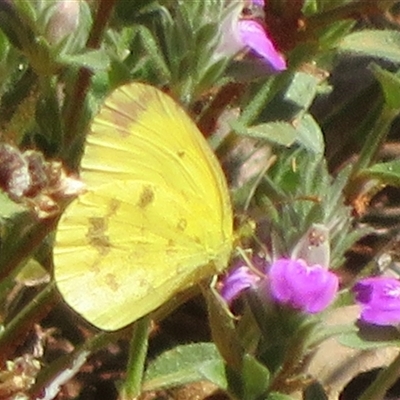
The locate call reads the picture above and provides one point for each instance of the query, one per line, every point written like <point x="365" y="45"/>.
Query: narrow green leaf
<point x="335" y="32"/>
<point x="390" y="83"/>
<point x="375" y="43"/>
<point x="95" y="60"/>
<point x="306" y="132"/>
<point x="371" y="337"/>
<point x="154" y="52"/>
<point x="388" y="172"/>
<point x="309" y="134"/>
<point x="281" y="133"/>
<point x="25" y="8"/>
<point x="4" y="47"/>
<point x="223" y="330"/>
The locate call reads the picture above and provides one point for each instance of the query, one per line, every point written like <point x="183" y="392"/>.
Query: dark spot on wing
<point x="97" y="233"/>
<point x="181" y="153"/>
<point x="97" y="236"/>
<point x="146" y="197"/>
<point x="113" y="207"/>
<point x="126" y="106"/>
<point x="171" y="247"/>
<point x="111" y="282"/>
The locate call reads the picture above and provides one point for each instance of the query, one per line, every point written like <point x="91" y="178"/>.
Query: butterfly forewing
<point x="156" y="217"/>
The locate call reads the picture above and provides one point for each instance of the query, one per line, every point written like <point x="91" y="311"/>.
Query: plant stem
<point x="75" y="106"/>
<point x="137" y="357"/>
<point x="375" y="139"/>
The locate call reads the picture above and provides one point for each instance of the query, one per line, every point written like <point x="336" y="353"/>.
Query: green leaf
<point x="330" y="36"/>
<point x="186" y="364"/>
<point x="25" y="8"/>
<point x="281" y="133"/>
<point x="310" y="7"/>
<point x="375" y="43"/>
<point x="223" y="330"/>
<point x="390" y="84"/>
<point x="302" y="90"/>
<point x="305" y="131"/>
<point x="4" y="47"/>
<point x="154" y="52"/>
<point x="309" y="134"/>
<point x="388" y="172"/>
<point x="255" y="378"/>
<point x="95" y="60"/>
<point x="251" y="382"/>
<point x="371" y="337"/>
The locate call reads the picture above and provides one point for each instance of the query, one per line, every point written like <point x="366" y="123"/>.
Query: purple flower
<point x="238" y="280"/>
<point x="253" y="36"/>
<point x="379" y="298"/>
<point x="238" y="34"/>
<point x="307" y="288"/>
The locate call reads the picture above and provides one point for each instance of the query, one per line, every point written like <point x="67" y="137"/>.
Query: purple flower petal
<point x="379" y="298"/>
<point x="254" y="37"/>
<point x="237" y="281"/>
<point x="308" y="288"/>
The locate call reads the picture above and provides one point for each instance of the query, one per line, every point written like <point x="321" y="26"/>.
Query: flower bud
<point x="63" y="21"/>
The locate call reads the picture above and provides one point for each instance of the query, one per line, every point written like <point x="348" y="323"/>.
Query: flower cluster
<point x="292" y="282"/>
<point x="311" y="289"/>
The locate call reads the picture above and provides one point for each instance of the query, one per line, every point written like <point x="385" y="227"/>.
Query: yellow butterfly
<point x="156" y="218"/>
